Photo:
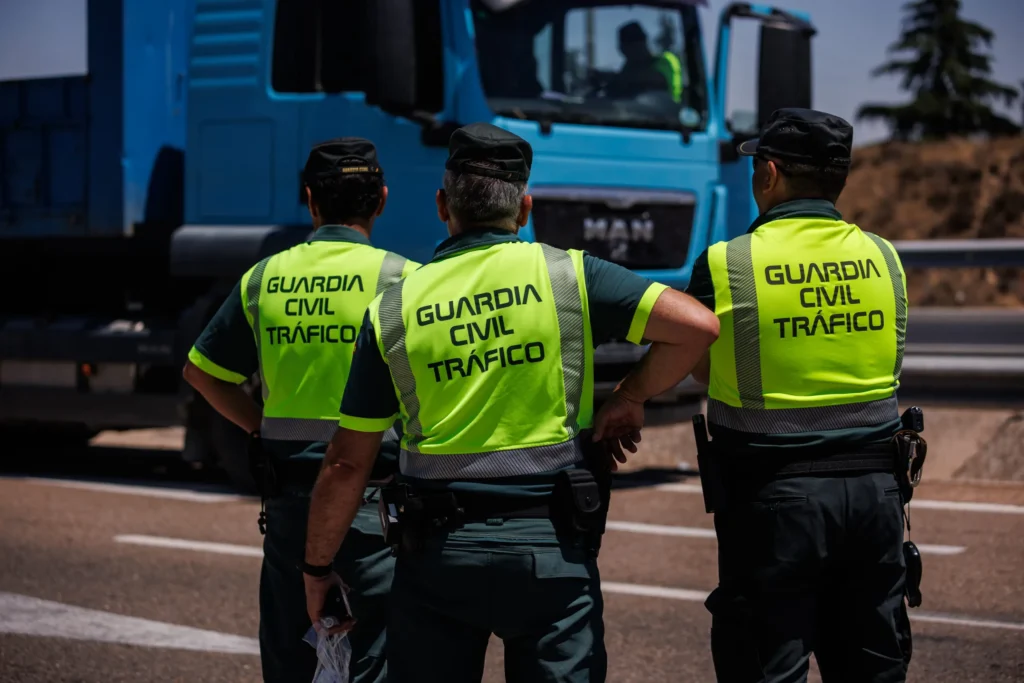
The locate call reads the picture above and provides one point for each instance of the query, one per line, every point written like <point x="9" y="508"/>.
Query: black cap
<point x="803" y="136"/>
<point x="339" y="156"/>
<point x="484" y="142"/>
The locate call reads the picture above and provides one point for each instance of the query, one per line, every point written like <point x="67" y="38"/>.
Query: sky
<point x="40" y="38"/>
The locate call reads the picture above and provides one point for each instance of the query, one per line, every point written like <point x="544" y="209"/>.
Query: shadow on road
<point x="122" y="465"/>
<point x="653" y="476"/>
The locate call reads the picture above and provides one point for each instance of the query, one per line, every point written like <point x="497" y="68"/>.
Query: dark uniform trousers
<point x="512" y="578"/>
<point x="811" y="564"/>
<point x="367" y="565"/>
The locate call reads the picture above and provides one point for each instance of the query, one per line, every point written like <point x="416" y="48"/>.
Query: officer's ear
<point x="525" y="207"/>
<point x="442" y="206"/>
<point x="313" y="212"/>
<point x="772" y="176"/>
<point x="383" y="200"/>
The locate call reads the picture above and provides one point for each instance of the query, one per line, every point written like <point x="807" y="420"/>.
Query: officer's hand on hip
<point x="317" y="589"/>
<point x="618" y="424"/>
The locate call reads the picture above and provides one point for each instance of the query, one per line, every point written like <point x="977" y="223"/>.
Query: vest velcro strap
<point x="800" y="420"/>
<point x="297" y="429"/>
<point x="491" y="464"/>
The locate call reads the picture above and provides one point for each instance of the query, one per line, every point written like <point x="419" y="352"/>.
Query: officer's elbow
<point x="192" y="374"/>
<point x="705" y="327"/>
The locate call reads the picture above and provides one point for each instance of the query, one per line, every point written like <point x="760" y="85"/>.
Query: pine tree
<point x="947" y="73"/>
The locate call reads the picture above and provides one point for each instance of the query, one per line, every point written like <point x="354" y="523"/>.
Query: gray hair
<point x="478" y="200"/>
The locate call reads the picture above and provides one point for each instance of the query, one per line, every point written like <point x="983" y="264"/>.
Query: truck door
<point x="783" y="80"/>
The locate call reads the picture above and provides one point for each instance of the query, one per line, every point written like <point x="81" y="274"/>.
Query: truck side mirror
<point x="407" y="74"/>
<point x="784" y="78"/>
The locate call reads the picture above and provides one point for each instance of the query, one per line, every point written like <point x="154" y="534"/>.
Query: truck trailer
<point x="133" y="197"/>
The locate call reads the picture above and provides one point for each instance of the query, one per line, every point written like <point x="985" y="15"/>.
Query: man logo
<point x="618" y="230"/>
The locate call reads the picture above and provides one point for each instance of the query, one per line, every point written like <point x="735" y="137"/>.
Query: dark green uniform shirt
<point x="702" y="288"/>
<point x="228" y="350"/>
<point x="614" y="294"/>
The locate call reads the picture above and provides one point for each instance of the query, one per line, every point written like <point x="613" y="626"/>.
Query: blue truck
<point x="133" y="197"/>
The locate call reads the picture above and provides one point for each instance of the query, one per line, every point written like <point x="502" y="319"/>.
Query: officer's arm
<point x="339" y="491"/>
<point x="680" y="330"/>
<point x="369" y="407"/>
<point x="702" y="288"/>
<point x="221" y="360"/>
<point x="228" y="399"/>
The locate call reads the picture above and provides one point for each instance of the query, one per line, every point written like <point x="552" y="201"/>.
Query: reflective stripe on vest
<point x="668" y="66"/>
<point x="306" y="305"/>
<point x="813" y="325"/>
<point x="510" y="463"/>
<point x="476" y="338"/>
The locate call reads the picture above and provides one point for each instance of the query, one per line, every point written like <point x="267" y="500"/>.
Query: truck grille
<point x="638" y="229"/>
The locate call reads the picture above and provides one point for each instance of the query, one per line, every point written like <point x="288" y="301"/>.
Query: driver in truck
<point x="643" y="72"/>
<point x="305" y="306"/>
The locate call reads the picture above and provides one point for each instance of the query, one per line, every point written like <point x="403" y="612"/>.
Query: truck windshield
<point x="593" y="62"/>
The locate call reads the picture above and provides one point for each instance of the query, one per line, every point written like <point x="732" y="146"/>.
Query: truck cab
<point x="633" y="157"/>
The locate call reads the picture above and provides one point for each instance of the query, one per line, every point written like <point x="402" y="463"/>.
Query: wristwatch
<point x="315" y="570"/>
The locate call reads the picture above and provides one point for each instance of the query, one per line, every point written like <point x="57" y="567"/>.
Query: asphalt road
<point x="109" y="580"/>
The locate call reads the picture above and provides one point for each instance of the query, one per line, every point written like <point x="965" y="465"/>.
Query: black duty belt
<point x="482" y="507"/>
<point x="864" y="460"/>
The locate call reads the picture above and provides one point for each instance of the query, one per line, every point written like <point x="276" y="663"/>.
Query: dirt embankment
<point x="957" y="189"/>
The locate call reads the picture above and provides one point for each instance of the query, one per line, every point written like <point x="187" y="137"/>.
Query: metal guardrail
<point x="983" y="253"/>
<point x="950" y="351"/>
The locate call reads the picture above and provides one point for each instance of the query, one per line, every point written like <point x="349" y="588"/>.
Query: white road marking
<point x="923" y="504"/>
<point x="24" y="615"/>
<point x="606" y="586"/>
<point x="697" y="532"/>
<point x="182" y="544"/>
<point x="660" y="529"/>
<point x="964" y="506"/>
<point x="680" y="488"/>
<point x="965" y="621"/>
<point x="653" y="591"/>
<point x="150" y="491"/>
<point x="700" y="596"/>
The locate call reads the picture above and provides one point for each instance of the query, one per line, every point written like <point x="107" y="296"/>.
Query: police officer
<point x="642" y="72"/>
<point x="295" y="316"/>
<point x="486" y="353"/>
<point x="802" y="410"/>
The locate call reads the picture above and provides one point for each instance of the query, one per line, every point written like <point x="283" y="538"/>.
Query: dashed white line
<point x="964" y="506"/>
<point x="150" y="491"/>
<point x="965" y="621"/>
<point x="697" y="532"/>
<point x="916" y="504"/>
<point x="667" y="592"/>
<point x="680" y="488"/>
<point x="654" y="591"/>
<point x="660" y="529"/>
<point x="182" y="544"/>
<point x="700" y="596"/>
<point x="24" y="615"/>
